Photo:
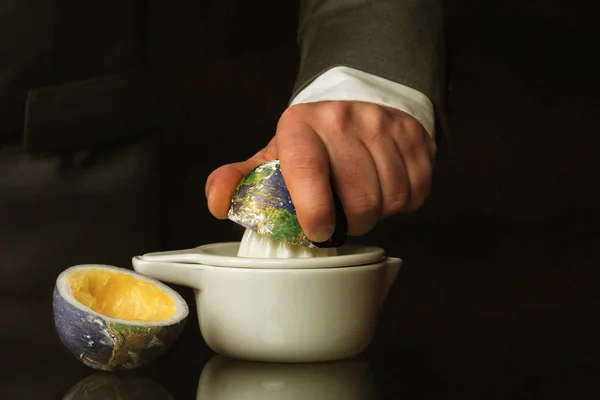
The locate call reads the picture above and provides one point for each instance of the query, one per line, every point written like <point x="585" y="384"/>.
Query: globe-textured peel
<point x="262" y="203"/>
<point x="109" y="344"/>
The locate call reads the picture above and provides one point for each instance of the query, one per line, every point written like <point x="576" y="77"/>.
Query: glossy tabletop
<point x="505" y="314"/>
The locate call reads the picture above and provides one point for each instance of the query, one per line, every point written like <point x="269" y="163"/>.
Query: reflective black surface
<point x="497" y="313"/>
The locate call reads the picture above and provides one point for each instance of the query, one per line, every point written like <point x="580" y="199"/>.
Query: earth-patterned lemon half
<point x="112" y="318"/>
<point x="262" y="203"/>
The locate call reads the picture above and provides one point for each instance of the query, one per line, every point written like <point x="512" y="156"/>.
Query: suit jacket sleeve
<point x="398" y="40"/>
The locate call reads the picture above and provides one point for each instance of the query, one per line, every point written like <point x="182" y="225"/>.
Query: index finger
<point x="304" y="165"/>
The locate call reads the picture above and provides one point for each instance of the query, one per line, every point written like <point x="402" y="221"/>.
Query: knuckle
<point x="371" y="112"/>
<point x="411" y="138"/>
<point x="411" y="125"/>
<point x="378" y="134"/>
<point x="292" y="115"/>
<point x="395" y="204"/>
<point x="337" y="115"/>
<point x="408" y="145"/>
<point x="294" y="110"/>
<point x="338" y="109"/>
<point x="302" y="169"/>
<point x="303" y="166"/>
<point x="375" y="122"/>
<point x="378" y="126"/>
<point x="364" y="204"/>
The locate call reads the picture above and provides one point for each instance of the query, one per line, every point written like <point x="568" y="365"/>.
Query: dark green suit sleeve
<point x="400" y="40"/>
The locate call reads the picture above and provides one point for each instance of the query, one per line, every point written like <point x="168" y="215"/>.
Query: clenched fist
<point x="379" y="159"/>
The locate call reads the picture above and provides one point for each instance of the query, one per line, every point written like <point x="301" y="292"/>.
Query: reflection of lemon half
<point x="109" y="386"/>
<point x="115" y="319"/>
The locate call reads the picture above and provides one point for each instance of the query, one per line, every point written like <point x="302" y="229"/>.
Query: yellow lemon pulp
<point x="121" y="296"/>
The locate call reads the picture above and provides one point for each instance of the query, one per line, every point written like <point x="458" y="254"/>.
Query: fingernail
<point x="321" y="233"/>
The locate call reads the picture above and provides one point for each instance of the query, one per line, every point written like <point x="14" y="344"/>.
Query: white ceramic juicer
<point x="275" y="296"/>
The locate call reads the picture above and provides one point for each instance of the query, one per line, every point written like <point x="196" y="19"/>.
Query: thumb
<point x="221" y="184"/>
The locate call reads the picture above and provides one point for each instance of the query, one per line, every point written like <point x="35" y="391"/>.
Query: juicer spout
<point x="392" y="267"/>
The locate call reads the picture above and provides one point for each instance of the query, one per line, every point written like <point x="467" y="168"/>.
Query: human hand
<point x="379" y="159"/>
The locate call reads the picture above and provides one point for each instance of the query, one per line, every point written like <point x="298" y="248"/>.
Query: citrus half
<point x="113" y="318"/>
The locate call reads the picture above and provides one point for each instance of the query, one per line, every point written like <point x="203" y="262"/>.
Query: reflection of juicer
<point x="262" y="204"/>
<point x="226" y="379"/>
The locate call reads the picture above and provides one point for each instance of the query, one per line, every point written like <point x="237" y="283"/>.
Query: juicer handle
<point x="189" y="275"/>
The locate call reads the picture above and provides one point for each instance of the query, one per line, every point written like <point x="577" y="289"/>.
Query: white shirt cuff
<point x="348" y="84"/>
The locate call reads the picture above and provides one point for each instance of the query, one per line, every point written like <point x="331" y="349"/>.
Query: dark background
<point x="228" y="69"/>
<point x="499" y="284"/>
